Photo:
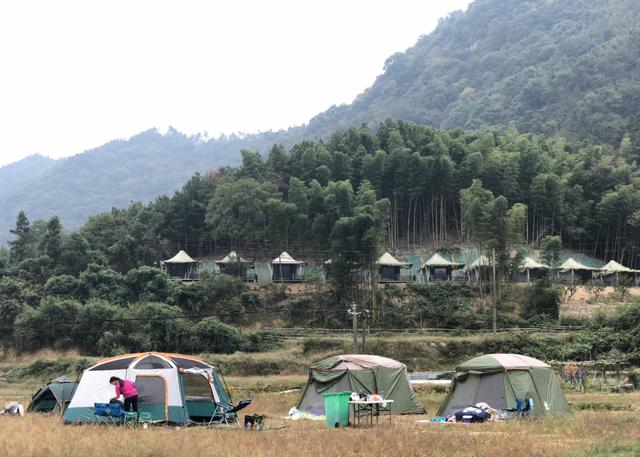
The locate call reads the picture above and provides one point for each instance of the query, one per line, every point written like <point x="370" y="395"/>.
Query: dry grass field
<point x="604" y="424"/>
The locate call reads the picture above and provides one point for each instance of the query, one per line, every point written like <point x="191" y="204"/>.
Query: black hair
<point x="115" y="378"/>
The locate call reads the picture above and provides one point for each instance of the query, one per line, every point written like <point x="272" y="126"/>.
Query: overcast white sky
<point x="76" y="74"/>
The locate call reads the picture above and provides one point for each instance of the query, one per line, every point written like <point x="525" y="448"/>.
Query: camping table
<point x="364" y="408"/>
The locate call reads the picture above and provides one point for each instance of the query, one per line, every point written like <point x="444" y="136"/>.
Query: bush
<point x="443" y="305"/>
<point x="26" y="330"/>
<point x="46" y="370"/>
<point x="217" y="337"/>
<point x="542" y="298"/>
<point x="219" y="288"/>
<point x="147" y="284"/>
<point x="9" y="311"/>
<point x="315" y="345"/>
<point x="94" y="319"/>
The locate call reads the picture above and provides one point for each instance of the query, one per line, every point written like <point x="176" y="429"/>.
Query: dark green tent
<point x="363" y="374"/>
<point x="53" y="396"/>
<point x="500" y="379"/>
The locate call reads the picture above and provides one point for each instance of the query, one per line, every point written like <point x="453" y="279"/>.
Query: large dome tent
<point x="363" y="374"/>
<point x="500" y="380"/>
<point x="173" y="388"/>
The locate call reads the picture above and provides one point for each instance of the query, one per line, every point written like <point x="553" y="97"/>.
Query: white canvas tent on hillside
<point x="389" y="269"/>
<point x="530" y="269"/>
<point x="572" y="268"/>
<point x="287" y="269"/>
<point x="181" y="267"/>
<point x="438" y="268"/>
<point x="613" y="271"/>
<point x="234" y="265"/>
<point x="476" y="267"/>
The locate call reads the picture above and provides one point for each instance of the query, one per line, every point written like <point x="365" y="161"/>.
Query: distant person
<point x="570" y="371"/>
<point x="128" y="390"/>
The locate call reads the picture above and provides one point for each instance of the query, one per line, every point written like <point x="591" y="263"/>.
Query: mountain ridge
<point x="542" y="66"/>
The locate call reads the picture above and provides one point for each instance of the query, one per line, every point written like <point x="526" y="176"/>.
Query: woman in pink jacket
<point x="128" y="390"/>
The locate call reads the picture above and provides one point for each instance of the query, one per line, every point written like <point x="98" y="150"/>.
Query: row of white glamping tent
<point x="283" y="268"/>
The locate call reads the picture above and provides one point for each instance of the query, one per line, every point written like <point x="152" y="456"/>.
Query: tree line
<point x="402" y="186"/>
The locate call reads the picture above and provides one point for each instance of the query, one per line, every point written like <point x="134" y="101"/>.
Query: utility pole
<point x="366" y="314"/>
<point x="493" y="291"/>
<point x="354" y="320"/>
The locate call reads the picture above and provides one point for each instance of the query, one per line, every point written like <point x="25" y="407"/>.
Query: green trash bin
<point x="336" y="409"/>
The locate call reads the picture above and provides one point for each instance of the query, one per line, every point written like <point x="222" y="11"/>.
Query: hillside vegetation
<point x="548" y="66"/>
<point x="545" y="66"/>
<point x="99" y="289"/>
<point x="113" y="175"/>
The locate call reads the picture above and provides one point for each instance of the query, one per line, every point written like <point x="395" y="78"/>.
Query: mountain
<point x="27" y="169"/>
<point x="547" y="66"/>
<point x="141" y="168"/>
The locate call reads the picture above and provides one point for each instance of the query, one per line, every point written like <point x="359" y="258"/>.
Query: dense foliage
<point x="560" y="66"/>
<point x="548" y="66"/>
<point x="138" y="169"/>
<point x="406" y="185"/>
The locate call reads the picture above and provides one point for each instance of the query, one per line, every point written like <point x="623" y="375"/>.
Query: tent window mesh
<point x="181" y="362"/>
<point x="152" y="362"/>
<point x="119" y="364"/>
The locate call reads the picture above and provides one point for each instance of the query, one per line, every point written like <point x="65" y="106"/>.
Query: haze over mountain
<point x="550" y="66"/>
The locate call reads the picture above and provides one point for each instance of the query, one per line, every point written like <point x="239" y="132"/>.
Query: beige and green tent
<point x="181" y="267"/>
<point x="572" y="270"/>
<point x="439" y="268"/>
<point x="476" y="268"/>
<point x="612" y="272"/>
<point x="362" y="374"/>
<point x="389" y="269"/>
<point x="530" y="269"/>
<point x="500" y="380"/>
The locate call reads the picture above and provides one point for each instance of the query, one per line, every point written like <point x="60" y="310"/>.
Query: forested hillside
<point x="401" y="186"/>
<point x="548" y="66"/>
<point x="139" y="169"/>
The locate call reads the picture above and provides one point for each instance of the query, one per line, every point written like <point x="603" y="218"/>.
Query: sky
<point x="76" y="74"/>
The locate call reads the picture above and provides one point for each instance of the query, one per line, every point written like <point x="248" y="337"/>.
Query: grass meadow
<point x="603" y="425"/>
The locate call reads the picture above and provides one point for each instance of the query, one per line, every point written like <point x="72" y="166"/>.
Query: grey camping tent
<point x="500" y="380"/>
<point x="363" y="374"/>
<point x="53" y="396"/>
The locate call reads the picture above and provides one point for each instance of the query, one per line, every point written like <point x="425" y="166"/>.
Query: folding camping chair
<point x="223" y="413"/>
<point x="522" y="409"/>
<point x="108" y="413"/>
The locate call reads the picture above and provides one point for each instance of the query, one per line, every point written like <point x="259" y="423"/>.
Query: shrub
<point x="26" y="330"/>
<point x="542" y="298"/>
<point x="9" y="311"/>
<point x="147" y="284"/>
<point x="217" y="337"/>
<point x="219" y="288"/>
<point x="315" y="345"/>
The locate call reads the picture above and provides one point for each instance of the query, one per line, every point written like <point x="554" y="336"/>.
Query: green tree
<point x="19" y="246"/>
<point x="51" y="244"/>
